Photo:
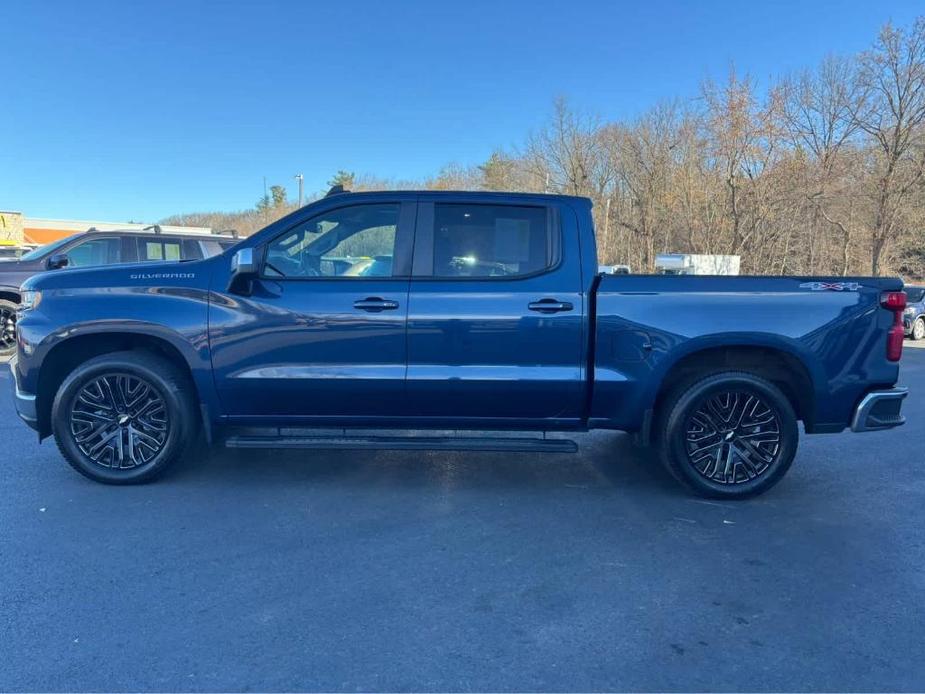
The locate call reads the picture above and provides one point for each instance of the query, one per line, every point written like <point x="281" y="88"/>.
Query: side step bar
<point x="407" y="443"/>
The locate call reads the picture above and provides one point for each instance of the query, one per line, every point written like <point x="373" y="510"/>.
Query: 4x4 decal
<point x="831" y="286"/>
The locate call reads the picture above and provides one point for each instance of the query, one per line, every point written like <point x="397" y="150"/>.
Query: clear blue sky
<point x="129" y="110"/>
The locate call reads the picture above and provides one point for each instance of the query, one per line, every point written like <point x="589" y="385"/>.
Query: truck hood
<point x="122" y="275"/>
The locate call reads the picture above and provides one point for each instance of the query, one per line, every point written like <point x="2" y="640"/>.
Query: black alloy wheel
<point x="7" y="328"/>
<point x="119" y="420"/>
<point x="730" y="434"/>
<point x="124" y="417"/>
<point x="733" y="437"/>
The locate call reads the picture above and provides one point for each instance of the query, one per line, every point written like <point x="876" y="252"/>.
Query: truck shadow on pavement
<point x="604" y="461"/>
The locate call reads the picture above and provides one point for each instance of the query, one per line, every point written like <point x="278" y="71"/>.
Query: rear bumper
<point x="879" y="409"/>
<point x="25" y="402"/>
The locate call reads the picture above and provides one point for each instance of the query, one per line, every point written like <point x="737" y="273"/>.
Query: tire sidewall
<point x="676" y="435"/>
<point x="179" y="417"/>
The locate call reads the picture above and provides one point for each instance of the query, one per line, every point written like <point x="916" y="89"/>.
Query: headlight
<point x="910" y="310"/>
<point x="30" y="300"/>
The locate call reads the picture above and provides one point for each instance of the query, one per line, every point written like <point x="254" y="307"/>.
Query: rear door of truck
<point x="495" y="312"/>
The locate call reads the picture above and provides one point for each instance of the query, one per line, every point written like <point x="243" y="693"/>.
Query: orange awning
<point x="43" y="236"/>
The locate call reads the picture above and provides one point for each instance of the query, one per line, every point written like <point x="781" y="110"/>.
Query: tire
<point x="735" y="458"/>
<point x="918" y="329"/>
<point x="124" y="417"/>
<point x="7" y="328"/>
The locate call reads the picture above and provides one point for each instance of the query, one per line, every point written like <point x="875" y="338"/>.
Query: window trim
<point x="401" y="259"/>
<point x="423" y="260"/>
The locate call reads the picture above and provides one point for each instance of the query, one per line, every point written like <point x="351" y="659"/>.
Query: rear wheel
<point x="728" y="435"/>
<point x="918" y="328"/>
<point x="124" y="418"/>
<point x="7" y="328"/>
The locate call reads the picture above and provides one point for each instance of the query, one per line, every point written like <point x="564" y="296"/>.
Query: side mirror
<point x="57" y="261"/>
<point x="243" y="271"/>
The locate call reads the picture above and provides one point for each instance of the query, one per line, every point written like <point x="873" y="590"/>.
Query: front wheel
<point x="728" y="435"/>
<point x="7" y="328"/>
<point x="918" y="328"/>
<point x="124" y="418"/>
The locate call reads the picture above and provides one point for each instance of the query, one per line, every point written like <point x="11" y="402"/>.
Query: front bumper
<point x="25" y="402"/>
<point x="879" y="409"/>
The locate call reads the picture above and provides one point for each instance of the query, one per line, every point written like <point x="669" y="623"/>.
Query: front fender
<point x="177" y="316"/>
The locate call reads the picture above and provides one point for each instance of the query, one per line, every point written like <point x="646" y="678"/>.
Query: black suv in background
<point x="93" y="248"/>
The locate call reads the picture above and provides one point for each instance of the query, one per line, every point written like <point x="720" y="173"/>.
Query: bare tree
<point x="823" y="172"/>
<point x="820" y="111"/>
<point x="894" y="72"/>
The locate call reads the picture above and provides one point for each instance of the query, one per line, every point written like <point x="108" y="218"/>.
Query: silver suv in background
<point x="93" y="248"/>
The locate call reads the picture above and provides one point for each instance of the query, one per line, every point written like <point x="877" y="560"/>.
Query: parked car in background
<point x="465" y="311"/>
<point x="614" y="269"/>
<point x="10" y="250"/>
<point x="94" y="248"/>
<point x="914" y="315"/>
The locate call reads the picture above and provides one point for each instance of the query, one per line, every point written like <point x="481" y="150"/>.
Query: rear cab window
<point x="487" y="241"/>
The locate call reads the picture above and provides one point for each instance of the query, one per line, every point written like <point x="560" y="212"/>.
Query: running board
<point x="406" y="443"/>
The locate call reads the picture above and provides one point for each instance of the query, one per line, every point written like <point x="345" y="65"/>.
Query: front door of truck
<point x="495" y="322"/>
<point x="322" y="332"/>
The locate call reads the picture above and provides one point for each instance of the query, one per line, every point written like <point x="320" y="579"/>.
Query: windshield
<point x="42" y="251"/>
<point x="914" y="294"/>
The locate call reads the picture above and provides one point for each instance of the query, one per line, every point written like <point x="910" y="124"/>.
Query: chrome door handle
<point x="550" y="306"/>
<point x="374" y="304"/>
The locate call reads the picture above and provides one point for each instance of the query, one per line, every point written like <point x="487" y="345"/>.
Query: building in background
<point x="11" y="227"/>
<point x="19" y="230"/>
<point x="38" y="231"/>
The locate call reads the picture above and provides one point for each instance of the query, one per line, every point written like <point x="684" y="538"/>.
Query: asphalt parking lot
<point x="398" y="571"/>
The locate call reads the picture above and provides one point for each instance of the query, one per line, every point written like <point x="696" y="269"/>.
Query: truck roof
<point x="457" y="194"/>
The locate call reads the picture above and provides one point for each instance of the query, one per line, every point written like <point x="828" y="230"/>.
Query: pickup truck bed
<point x="830" y="342"/>
<point x="363" y="319"/>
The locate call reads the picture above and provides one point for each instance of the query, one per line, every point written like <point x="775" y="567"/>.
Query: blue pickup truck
<point x="413" y="320"/>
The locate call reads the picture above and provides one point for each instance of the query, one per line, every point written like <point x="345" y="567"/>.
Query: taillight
<point x="895" y="302"/>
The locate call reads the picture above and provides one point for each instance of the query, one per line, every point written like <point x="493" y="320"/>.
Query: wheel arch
<point x="67" y="354"/>
<point x="779" y="365"/>
<point x="8" y="294"/>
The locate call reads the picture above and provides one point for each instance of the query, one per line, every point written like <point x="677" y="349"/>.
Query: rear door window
<point x="484" y="241"/>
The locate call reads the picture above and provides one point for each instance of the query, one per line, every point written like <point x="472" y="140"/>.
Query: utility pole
<point x="300" y="178"/>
